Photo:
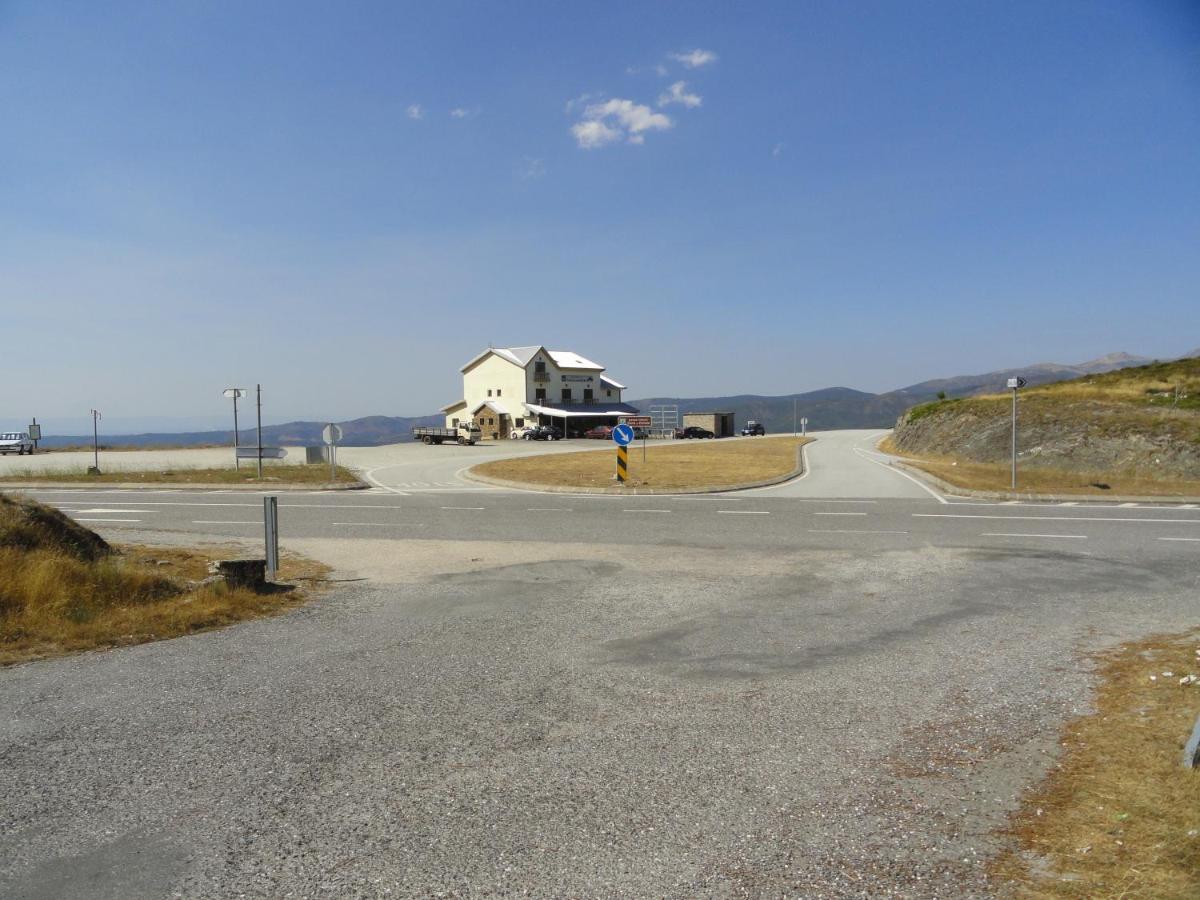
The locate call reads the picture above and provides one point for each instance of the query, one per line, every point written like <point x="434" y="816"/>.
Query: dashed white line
<point x="743" y="512"/>
<point x="850" y="531"/>
<point x="647" y="510"/>
<point x="215" y="522"/>
<point x="1116" y="519"/>
<point x="473" y="508"/>
<point x="1189" y="540"/>
<point x="1074" y="537"/>
<point x="547" y="509"/>
<point x="108" y="520"/>
<point x="839" y="514"/>
<point x="381" y="524"/>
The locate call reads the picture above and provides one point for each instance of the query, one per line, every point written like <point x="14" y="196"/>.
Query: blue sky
<point x="347" y="201"/>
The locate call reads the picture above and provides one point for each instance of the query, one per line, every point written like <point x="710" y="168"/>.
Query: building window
<point x="539" y="394"/>
<point x="608" y="393"/>
<point x="454" y="423"/>
<point x="587" y="395"/>
<point x="497" y="392"/>
<point x="566" y="395"/>
<point x="489" y="392"/>
<point x="520" y="423"/>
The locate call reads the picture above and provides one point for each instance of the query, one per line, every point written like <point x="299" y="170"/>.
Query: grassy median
<point x="1039" y="479"/>
<point x="247" y="474"/>
<point x="64" y="589"/>
<point x="679" y="465"/>
<point x="1120" y="815"/>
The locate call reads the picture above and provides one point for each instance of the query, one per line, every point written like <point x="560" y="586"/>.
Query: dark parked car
<point x="600" y="432"/>
<point x="753" y="428"/>
<point x="545" y="433"/>
<point x="694" y="431"/>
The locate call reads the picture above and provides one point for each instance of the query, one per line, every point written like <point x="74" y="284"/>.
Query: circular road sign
<point x="332" y="433"/>
<point x="622" y="435"/>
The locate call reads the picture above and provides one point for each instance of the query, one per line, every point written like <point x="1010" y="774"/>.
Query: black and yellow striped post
<point x="622" y="464"/>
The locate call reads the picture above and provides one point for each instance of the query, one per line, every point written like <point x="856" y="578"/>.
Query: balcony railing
<point x="541" y="376"/>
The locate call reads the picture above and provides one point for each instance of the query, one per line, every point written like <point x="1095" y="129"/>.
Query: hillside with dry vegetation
<point x="1137" y="426"/>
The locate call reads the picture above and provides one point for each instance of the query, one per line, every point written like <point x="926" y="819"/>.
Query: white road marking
<point x="850" y="531"/>
<point x="918" y="482"/>
<point x="1053" y="518"/>
<point x="1127" y="504"/>
<point x="1075" y="537"/>
<point x="839" y="514"/>
<point x="1187" y="506"/>
<point x="744" y="512"/>
<point x="547" y="509"/>
<point x="99" y="510"/>
<point x="108" y="520"/>
<point x="1070" y="503"/>
<point x="1193" y="540"/>
<point x="216" y="522"/>
<point x="382" y="524"/>
<point x="646" y="510"/>
<point x="465" y="507"/>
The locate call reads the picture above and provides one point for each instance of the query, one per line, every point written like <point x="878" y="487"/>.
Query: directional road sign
<point x="1015" y="383"/>
<point x="622" y="435"/>
<point x="332" y="433"/>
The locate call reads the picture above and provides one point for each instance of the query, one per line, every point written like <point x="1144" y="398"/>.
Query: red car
<point x="600" y="432"/>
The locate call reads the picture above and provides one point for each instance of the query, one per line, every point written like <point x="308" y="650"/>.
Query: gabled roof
<point x="498" y="408"/>
<point x="521" y="356"/>
<point x="604" y="379"/>
<point x="453" y="406"/>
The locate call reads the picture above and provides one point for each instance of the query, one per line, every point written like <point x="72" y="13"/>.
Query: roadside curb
<point x="952" y="490"/>
<point x="799" y="470"/>
<point x="177" y="486"/>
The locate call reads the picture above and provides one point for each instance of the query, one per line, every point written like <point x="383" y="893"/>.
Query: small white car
<point x="521" y="433"/>
<point x="17" y="442"/>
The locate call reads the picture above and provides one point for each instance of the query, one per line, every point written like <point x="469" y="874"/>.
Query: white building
<point x="506" y="388"/>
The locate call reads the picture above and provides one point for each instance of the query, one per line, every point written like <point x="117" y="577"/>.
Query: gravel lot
<point x="594" y="720"/>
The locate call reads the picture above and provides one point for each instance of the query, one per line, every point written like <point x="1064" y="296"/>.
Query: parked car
<point x="522" y="433"/>
<point x="600" y="432"/>
<point x="753" y="428"/>
<point x="693" y="431"/>
<point x="545" y="433"/>
<point x="641" y="434"/>
<point x="17" y="442"/>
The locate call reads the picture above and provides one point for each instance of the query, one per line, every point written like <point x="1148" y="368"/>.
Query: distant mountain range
<point x="836" y="407"/>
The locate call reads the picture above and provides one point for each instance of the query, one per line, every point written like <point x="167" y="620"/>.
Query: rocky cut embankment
<point x="1079" y="435"/>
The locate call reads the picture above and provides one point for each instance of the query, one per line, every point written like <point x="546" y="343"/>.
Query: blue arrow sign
<point x="622" y="435"/>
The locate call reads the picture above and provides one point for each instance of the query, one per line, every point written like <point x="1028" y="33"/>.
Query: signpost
<point x="622" y="436"/>
<point x="35" y="432"/>
<point x="332" y="434"/>
<point x="234" y="393"/>
<point x="645" y="423"/>
<point x="1015" y="384"/>
<point x="258" y="389"/>
<point x="271" y="534"/>
<point x="96" y="417"/>
<point x="803" y="427"/>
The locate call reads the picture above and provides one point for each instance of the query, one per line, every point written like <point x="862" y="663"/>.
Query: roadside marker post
<point x="803" y="427"/>
<point x="622" y="436"/>
<point x="271" y="534"/>
<point x="332" y="434"/>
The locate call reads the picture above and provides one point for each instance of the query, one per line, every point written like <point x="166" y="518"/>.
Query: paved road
<point x="754" y="694"/>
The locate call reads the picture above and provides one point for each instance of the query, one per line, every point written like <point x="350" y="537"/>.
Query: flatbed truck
<point x="463" y="434"/>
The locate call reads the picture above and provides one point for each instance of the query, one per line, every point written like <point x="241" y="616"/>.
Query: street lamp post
<point x="234" y="393"/>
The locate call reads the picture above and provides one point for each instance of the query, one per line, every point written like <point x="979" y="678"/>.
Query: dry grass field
<point x="63" y="589"/>
<point x="1120" y="815"/>
<point x="1042" y="480"/>
<point x="674" y="466"/>
<point x="247" y="474"/>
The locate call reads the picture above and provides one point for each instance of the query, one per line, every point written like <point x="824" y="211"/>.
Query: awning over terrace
<point x="583" y="410"/>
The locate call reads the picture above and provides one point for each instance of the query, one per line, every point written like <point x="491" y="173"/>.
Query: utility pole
<point x="258" y="389"/>
<point x="793" y="417"/>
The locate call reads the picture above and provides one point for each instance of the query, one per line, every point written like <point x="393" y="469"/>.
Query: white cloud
<point x="607" y="122"/>
<point x="415" y="111"/>
<point x="462" y="112"/>
<point x="677" y="93"/>
<point x="660" y="70"/>
<point x="694" y="59"/>
<point x="592" y="134"/>
<point x="777" y="150"/>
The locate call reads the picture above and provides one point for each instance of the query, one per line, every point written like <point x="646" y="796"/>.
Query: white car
<point x="521" y="433"/>
<point x="15" y="442"/>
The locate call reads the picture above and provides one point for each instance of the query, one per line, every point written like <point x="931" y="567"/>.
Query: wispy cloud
<point x="777" y="150"/>
<point x="616" y="119"/>
<point x="694" y="59"/>
<point x="531" y="168"/>
<point x="415" y="111"/>
<point x="462" y="112"/>
<point x="678" y="93"/>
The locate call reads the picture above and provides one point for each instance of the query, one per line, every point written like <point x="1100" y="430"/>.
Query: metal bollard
<point x="271" y="534"/>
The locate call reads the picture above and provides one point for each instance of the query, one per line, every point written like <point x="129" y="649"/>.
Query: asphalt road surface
<point x="836" y="687"/>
